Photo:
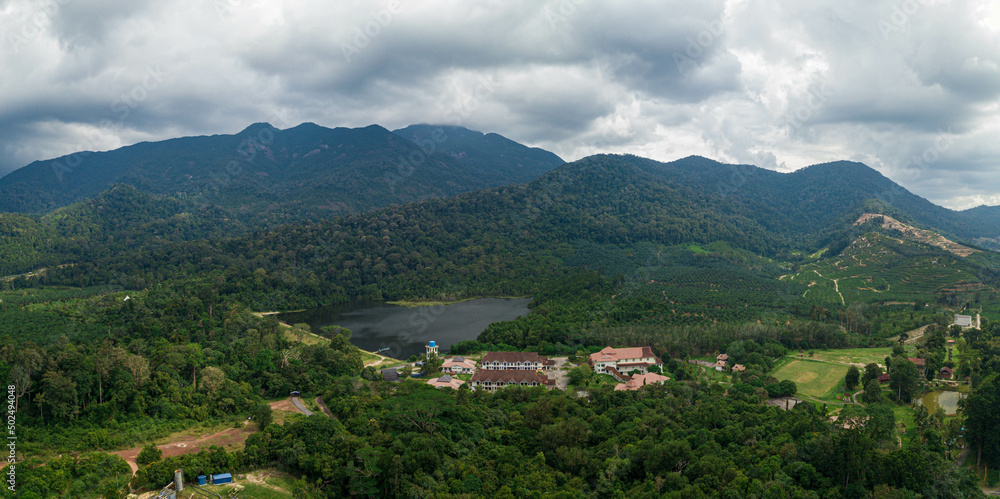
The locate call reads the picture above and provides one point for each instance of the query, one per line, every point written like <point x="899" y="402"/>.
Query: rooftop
<point x="609" y="354"/>
<point x="509" y="375"/>
<point x="640" y="380"/>
<point x="514" y="357"/>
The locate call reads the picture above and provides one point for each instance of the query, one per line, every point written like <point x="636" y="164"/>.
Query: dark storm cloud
<point x="775" y="83"/>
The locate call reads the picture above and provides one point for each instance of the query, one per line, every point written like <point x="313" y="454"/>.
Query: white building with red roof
<point x="624" y="360"/>
<point x="459" y="365"/>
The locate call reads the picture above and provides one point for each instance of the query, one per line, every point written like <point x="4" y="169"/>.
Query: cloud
<point x="778" y="84"/>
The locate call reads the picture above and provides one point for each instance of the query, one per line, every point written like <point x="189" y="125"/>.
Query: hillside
<point x="803" y="205"/>
<point x="269" y="176"/>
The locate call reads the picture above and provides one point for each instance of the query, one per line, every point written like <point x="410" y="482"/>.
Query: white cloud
<point x="777" y="84"/>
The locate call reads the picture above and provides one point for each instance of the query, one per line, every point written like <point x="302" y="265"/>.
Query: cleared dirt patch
<point x="193" y="444"/>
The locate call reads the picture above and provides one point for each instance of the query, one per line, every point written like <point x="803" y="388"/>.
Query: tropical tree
<point x="982" y="419"/>
<point x="873" y="392"/>
<point x="852" y="378"/>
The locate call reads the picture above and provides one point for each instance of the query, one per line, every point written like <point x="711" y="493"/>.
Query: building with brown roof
<point x="946" y="373"/>
<point x="624" y="360"/>
<point x="446" y="382"/>
<point x="884" y="378"/>
<point x="458" y="365"/>
<point x="738" y="368"/>
<point x="640" y="380"/>
<point x="491" y="379"/>
<point x="528" y="361"/>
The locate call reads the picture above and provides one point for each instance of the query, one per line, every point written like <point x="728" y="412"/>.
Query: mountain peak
<point x="257" y="127"/>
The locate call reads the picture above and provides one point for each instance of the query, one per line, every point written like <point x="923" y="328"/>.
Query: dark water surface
<point x="945" y="400"/>
<point x="404" y="330"/>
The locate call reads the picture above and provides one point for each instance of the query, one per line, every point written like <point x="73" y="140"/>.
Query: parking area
<point x="561" y="375"/>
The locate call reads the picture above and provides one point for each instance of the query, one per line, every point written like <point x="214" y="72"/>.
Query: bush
<point x="148" y="455"/>
<point x="263" y="416"/>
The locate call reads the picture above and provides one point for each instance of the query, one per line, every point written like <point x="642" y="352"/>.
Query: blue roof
<point x="222" y="475"/>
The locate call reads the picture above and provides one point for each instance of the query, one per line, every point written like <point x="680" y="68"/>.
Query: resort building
<point x="446" y="382"/>
<point x="458" y="365"/>
<point x="491" y="379"/>
<point x="528" y="361"/>
<point x="963" y="320"/>
<point x="640" y="380"/>
<point x="624" y="360"/>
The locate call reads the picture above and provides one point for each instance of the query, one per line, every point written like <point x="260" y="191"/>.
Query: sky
<point x="909" y="87"/>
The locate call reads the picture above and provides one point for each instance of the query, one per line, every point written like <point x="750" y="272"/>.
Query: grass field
<point x="814" y="379"/>
<point x="848" y="356"/>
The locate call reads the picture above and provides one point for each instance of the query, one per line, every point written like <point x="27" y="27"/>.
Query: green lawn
<point x="814" y="379"/>
<point x="848" y="356"/>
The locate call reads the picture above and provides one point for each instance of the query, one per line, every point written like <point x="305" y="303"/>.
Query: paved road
<point x="298" y="405"/>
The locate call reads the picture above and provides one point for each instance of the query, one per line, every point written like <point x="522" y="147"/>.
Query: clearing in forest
<point x="814" y="379"/>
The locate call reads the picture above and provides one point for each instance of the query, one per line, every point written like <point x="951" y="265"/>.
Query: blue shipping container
<point x="222" y="478"/>
<point x="202" y="479"/>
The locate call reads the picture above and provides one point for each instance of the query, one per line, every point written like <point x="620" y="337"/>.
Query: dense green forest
<point x="266" y="176"/>
<point x="130" y="316"/>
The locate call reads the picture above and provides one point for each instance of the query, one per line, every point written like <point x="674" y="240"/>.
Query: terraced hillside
<point x="880" y="268"/>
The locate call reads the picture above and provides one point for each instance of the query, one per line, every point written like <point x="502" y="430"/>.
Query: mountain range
<point x="271" y="176"/>
<point x="220" y="187"/>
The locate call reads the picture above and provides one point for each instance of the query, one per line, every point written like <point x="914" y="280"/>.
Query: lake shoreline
<point x="398" y="331"/>
<point x="439" y="303"/>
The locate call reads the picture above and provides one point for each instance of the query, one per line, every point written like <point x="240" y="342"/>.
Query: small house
<point x="390" y="374"/>
<point x="446" y="382"/>
<point x="883" y="378"/>
<point x="963" y="320"/>
<point x="946" y="373"/>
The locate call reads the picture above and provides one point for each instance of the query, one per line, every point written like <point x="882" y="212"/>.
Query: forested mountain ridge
<point x="803" y="204"/>
<point x="143" y="320"/>
<point x="271" y="176"/>
<point x="484" y="242"/>
<point x="119" y="219"/>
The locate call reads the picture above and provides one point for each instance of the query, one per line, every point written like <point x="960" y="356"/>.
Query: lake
<point x="405" y="330"/>
<point x="945" y="400"/>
